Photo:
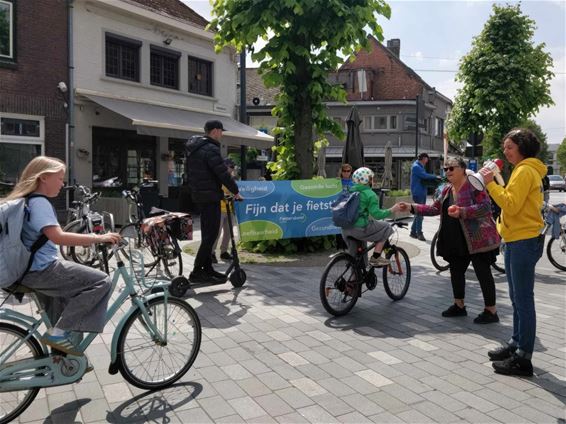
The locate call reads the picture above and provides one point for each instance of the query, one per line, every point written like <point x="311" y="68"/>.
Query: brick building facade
<point x="32" y="109"/>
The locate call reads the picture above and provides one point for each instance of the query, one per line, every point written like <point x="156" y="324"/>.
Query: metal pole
<point x="70" y="153"/>
<point x="474" y="141"/>
<point x="243" y="111"/>
<point x="417" y="127"/>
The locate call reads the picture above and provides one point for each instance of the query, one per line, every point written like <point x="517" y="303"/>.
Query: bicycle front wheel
<point x="556" y="251"/>
<point x="397" y="275"/>
<point x="13" y="404"/>
<point x="437" y="261"/>
<point x="152" y="364"/>
<point x="340" y="285"/>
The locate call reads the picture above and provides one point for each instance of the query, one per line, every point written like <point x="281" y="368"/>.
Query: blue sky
<point x="436" y="34"/>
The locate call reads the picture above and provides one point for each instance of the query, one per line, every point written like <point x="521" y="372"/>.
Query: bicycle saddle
<point x="18" y="290"/>
<point x="156" y="211"/>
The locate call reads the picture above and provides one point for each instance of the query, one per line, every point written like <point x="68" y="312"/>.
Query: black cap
<point x="212" y="125"/>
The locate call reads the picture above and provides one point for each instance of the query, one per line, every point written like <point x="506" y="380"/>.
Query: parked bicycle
<point x="83" y="221"/>
<point x="154" y="344"/>
<point x="441" y="265"/>
<point x="78" y="211"/>
<point x="556" y="247"/>
<point x="158" y="251"/>
<point x="343" y="277"/>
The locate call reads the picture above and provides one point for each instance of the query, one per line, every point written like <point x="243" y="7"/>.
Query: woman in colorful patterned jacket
<point x="467" y="234"/>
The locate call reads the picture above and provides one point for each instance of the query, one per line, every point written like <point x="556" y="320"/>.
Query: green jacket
<point x="369" y="205"/>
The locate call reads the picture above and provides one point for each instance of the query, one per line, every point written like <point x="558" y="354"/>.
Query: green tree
<point x="505" y="79"/>
<point x="304" y="42"/>
<point x="561" y="155"/>
<point x="544" y="155"/>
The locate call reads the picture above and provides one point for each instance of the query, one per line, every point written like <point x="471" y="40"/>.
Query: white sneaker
<point x="379" y="261"/>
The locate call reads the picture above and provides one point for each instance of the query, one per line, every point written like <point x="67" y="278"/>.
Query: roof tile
<point x="173" y="8"/>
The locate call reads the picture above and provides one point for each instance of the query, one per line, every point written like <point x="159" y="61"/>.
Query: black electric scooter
<point x="237" y="276"/>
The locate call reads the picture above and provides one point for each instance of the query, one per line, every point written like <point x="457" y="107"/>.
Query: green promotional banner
<point x="286" y="209"/>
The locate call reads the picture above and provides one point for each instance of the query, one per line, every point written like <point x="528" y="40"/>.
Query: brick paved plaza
<point x="270" y="353"/>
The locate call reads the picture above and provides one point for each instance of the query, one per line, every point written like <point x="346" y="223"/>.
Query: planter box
<point x="390" y="201"/>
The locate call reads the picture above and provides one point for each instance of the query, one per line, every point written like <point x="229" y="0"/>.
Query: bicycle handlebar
<point x="399" y="222"/>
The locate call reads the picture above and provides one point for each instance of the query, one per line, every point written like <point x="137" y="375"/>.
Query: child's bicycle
<point x="342" y="280"/>
<point x="154" y="343"/>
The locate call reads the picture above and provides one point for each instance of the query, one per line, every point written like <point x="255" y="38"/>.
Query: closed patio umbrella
<point x="353" y="152"/>
<point x="321" y="162"/>
<point x="387" y="179"/>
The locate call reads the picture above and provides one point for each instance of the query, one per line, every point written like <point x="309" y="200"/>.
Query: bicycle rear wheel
<point x="72" y="227"/>
<point x="172" y="257"/>
<point x="79" y="254"/>
<point x="340" y="285"/>
<point x="437" y="261"/>
<point x="145" y="362"/>
<point x="397" y="275"/>
<point x="556" y="251"/>
<point x="13" y="404"/>
<point x="136" y="241"/>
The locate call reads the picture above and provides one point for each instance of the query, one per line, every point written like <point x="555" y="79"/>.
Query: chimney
<point x="394" y="45"/>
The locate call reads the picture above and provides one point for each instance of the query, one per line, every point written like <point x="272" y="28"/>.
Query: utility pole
<point x="243" y="111"/>
<point x="417" y="126"/>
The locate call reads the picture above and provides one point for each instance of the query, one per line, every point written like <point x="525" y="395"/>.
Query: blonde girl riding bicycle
<point x="75" y="296"/>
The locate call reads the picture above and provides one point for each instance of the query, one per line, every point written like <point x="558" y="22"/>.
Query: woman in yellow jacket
<point x="520" y="226"/>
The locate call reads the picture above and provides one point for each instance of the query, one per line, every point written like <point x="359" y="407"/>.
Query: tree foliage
<point x="304" y="40"/>
<point x="505" y="79"/>
<point x="561" y="155"/>
<point x="544" y="155"/>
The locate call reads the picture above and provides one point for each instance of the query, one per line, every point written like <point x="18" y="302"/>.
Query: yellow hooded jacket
<point x="520" y="201"/>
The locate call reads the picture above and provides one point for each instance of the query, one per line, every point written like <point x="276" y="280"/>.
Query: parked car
<point x="557" y="183"/>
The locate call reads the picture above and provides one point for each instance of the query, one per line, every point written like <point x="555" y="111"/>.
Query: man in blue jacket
<point x="418" y="191"/>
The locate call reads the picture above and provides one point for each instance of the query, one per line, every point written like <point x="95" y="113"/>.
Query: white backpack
<point x="15" y="258"/>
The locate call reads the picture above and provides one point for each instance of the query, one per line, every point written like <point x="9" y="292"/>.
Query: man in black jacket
<point x="206" y="175"/>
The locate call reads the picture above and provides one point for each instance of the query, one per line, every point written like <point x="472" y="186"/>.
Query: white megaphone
<point x="495" y="166"/>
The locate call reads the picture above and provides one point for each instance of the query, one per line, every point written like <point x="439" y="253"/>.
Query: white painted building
<point x="146" y="77"/>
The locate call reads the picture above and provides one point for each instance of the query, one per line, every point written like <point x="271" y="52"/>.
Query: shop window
<point x="20" y="127"/>
<point x="200" y="76"/>
<point x="380" y="122"/>
<point x="7" y="18"/>
<point x="121" y="159"/>
<point x="176" y="162"/>
<point x="13" y="159"/>
<point x="393" y="122"/>
<point x="122" y="57"/>
<point x="439" y="128"/>
<point x="21" y="139"/>
<point x="373" y="123"/>
<point x="164" y="68"/>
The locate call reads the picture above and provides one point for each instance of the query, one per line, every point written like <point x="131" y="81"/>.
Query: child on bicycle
<point x="367" y="227"/>
<point x="75" y="296"/>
